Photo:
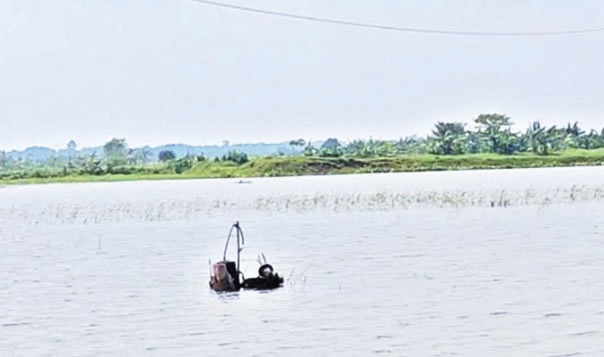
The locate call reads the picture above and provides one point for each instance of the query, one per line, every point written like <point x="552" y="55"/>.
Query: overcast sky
<point x="157" y="72"/>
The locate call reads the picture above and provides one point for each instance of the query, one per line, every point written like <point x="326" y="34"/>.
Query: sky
<point x="177" y="71"/>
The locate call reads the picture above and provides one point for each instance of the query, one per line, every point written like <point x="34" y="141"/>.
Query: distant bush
<point x="47" y="172"/>
<point x="309" y="150"/>
<point x="330" y="152"/>
<point x="122" y="170"/>
<point x="181" y="165"/>
<point x="238" y="157"/>
<point x="92" y="166"/>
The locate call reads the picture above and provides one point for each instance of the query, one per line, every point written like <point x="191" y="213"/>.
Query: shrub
<point x="181" y="165"/>
<point x="238" y="157"/>
<point x="121" y="170"/>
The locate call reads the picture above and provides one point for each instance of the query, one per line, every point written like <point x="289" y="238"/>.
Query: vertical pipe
<point x="238" y="249"/>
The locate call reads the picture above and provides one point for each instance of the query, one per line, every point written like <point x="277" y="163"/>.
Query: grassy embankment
<point x="301" y="165"/>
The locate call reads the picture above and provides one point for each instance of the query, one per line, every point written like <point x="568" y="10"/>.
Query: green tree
<point x="472" y="144"/>
<point x="298" y="143"/>
<point x="496" y="129"/>
<point x="370" y="148"/>
<point x="493" y="123"/>
<point x="92" y="165"/>
<point x="449" y="138"/>
<point x="181" y="165"/>
<point x="309" y="149"/>
<point x="537" y="139"/>
<point x="3" y="159"/>
<point x="593" y="140"/>
<point x="144" y="155"/>
<point x="116" y="153"/>
<point x="331" y="148"/>
<point x="166" y="155"/>
<point x="116" y="148"/>
<point x="574" y="129"/>
<point x="238" y="157"/>
<point x="411" y="145"/>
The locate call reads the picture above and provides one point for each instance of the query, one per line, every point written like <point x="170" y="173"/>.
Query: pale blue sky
<point x="168" y="71"/>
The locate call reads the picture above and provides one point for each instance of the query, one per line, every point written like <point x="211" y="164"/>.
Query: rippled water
<point x="452" y="263"/>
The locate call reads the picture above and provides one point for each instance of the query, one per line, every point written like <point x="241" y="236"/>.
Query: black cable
<point x="395" y="28"/>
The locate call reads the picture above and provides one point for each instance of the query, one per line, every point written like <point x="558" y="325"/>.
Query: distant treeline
<point x="490" y="133"/>
<point x="147" y="153"/>
<point x="117" y="159"/>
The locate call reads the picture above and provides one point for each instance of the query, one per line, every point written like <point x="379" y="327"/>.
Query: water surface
<point x="505" y="262"/>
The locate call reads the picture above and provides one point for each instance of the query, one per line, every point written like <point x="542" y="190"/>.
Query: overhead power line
<point x="397" y="28"/>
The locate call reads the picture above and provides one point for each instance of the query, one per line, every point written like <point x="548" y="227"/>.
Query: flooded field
<point x="505" y="263"/>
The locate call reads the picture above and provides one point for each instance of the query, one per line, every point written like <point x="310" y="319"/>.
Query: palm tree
<point x="448" y="138"/>
<point x="537" y="138"/>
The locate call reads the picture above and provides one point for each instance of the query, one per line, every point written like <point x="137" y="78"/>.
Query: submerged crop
<point x="166" y="210"/>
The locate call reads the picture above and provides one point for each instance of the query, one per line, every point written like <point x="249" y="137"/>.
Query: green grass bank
<point x="303" y="165"/>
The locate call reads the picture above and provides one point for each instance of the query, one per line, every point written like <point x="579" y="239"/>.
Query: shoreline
<point x="286" y="166"/>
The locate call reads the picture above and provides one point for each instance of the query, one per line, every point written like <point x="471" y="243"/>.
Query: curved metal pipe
<point x="226" y="246"/>
<point x="240" y="242"/>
